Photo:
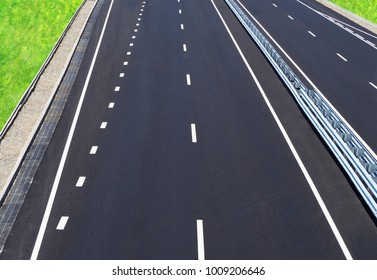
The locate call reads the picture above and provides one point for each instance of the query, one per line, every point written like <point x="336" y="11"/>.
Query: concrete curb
<point x="15" y="144"/>
<point x="351" y="16"/>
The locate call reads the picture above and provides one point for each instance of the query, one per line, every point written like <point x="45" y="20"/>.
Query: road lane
<point x="323" y="57"/>
<point x="149" y="183"/>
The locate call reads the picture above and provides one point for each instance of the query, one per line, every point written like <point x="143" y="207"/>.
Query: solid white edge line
<point x="342" y="57"/>
<point x="62" y="223"/>
<point x="310" y="82"/>
<point x="54" y="189"/>
<point x="200" y="236"/>
<point x="292" y="148"/>
<point x="193" y="133"/>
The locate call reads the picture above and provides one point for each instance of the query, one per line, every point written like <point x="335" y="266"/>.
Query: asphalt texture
<point x="188" y="137"/>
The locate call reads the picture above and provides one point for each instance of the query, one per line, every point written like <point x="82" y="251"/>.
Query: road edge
<point x="351" y="16"/>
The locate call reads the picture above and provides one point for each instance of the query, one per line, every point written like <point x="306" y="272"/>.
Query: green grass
<point x="28" y="31"/>
<point x="364" y="8"/>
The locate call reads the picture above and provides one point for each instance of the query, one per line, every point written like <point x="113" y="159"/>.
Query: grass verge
<point x="28" y="31"/>
<point x="365" y="8"/>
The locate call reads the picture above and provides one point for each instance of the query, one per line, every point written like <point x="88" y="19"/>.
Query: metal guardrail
<point x="356" y="159"/>
<point x="33" y="84"/>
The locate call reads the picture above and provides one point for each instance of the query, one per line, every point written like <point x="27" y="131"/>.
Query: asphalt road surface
<point x="179" y="141"/>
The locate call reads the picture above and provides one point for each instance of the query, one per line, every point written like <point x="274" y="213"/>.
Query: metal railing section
<point x="357" y="160"/>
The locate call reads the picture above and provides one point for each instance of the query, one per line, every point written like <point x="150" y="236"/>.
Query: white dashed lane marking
<point x="311" y="33"/>
<point x="342" y="57"/>
<point x="188" y="79"/>
<point x="80" y="181"/>
<point x="111" y="105"/>
<point x="193" y="133"/>
<point x="103" y="125"/>
<point x="93" y="150"/>
<point x="62" y="223"/>
<point x="373" y="85"/>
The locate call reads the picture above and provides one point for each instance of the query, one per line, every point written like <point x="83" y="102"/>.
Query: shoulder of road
<point x="18" y="138"/>
<point x="351" y="16"/>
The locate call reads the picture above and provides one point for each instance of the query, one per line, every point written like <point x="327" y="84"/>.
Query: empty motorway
<point x="179" y="141"/>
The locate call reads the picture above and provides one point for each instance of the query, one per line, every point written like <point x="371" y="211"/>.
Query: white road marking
<point x="290" y="17"/>
<point x="117" y="89"/>
<point x="111" y="105"/>
<point x="193" y="133"/>
<point x="128" y="53"/>
<point x="311" y="184"/>
<point x="184" y="48"/>
<point x="137" y="24"/>
<point x="133" y="37"/>
<point x="182" y="26"/>
<point x="373" y="85"/>
<point x="80" y="181"/>
<point x="93" y="150"/>
<point x="135" y="30"/>
<point x="141" y="10"/>
<point x="139" y="19"/>
<point x="310" y="81"/>
<point x="121" y="75"/>
<point x="188" y="79"/>
<point x="125" y="63"/>
<point x="370" y="43"/>
<point x="62" y="223"/>
<point x="273" y="4"/>
<point x="46" y="216"/>
<point x="180" y="11"/>
<point x="342" y="57"/>
<point x="131" y="44"/>
<point x="140" y="14"/>
<point x="200" y="236"/>
<point x="311" y="33"/>
<point x="103" y="125"/>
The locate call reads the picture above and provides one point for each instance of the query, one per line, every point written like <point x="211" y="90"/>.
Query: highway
<point x="179" y="141"/>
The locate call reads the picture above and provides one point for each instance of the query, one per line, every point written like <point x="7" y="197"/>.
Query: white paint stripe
<point x="182" y="26"/>
<point x="180" y="11"/>
<point x="291" y="147"/>
<point x="373" y="85"/>
<point x="342" y="57"/>
<point x="54" y="189"/>
<point x="311" y="33"/>
<point x="311" y="83"/>
<point x="125" y="63"/>
<point x="290" y="17"/>
<point x="200" y="236"/>
<point x="184" y="48"/>
<point x="128" y="53"/>
<point x="103" y="125"/>
<point x="111" y="105"/>
<point x="273" y="4"/>
<point x="133" y="37"/>
<point x="193" y="133"/>
<point x="131" y="44"/>
<point x="121" y="75"/>
<point x="137" y="24"/>
<point x="80" y="181"/>
<point x="135" y="30"/>
<point x="93" y="150"/>
<point x="62" y="223"/>
<point x="370" y="43"/>
<point x="359" y="36"/>
<point x="117" y="89"/>
<point x="139" y="19"/>
<point x="188" y="79"/>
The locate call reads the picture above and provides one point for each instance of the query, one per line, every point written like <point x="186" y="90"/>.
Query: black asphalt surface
<point x="149" y="182"/>
<point x="345" y="84"/>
